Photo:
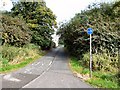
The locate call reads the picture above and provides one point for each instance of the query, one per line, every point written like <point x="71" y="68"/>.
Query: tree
<point x="40" y="20"/>
<point x="14" y="31"/>
<point x="105" y="37"/>
<point x="104" y="19"/>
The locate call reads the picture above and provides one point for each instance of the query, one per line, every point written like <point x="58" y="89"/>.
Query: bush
<point x="105" y="37"/>
<point x="105" y="30"/>
<point x="13" y="55"/>
<point x="101" y="62"/>
<point x="40" y="20"/>
<point x="14" y="31"/>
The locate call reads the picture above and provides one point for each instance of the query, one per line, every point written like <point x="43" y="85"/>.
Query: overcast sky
<point x="63" y="9"/>
<point x="66" y="9"/>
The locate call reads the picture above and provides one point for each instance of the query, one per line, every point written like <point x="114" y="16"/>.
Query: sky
<point x="66" y="9"/>
<point x="5" y="5"/>
<point x="63" y="9"/>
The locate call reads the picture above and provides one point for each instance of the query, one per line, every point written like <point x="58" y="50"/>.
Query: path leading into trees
<point x="50" y="71"/>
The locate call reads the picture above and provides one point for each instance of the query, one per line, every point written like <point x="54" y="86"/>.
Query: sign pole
<point x="90" y="57"/>
<point x="90" y="31"/>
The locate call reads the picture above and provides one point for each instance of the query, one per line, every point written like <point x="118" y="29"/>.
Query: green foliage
<point x="61" y="42"/>
<point x="53" y="45"/>
<point x="32" y="46"/>
<point x="104" y="24"/>
<point x="11" y="67"/>
<point x="12" y="56"/>
<point x="75" y="65"/>
<point x="14" y="31"/>
<point x="99" y="78"/>
<point x="102" y="62"/>
<point x="17" y="54"/>
<point x="103" y="83"/>
<point x="40" y="20"/>
<point x="4" y="63"/>
<point x="104" y="19"/>
<point x="85" y="71"/>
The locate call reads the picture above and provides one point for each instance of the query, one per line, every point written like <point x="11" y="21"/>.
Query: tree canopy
<point x="14" y="31"/>
<point x="40" y="20"/>
<point x="104" y="19"/>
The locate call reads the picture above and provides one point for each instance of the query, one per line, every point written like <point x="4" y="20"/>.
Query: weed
<point x="85" y="71"/>
<point x="103" y="83"/>
<point x="99" y="78"/>
<point x="17" y="57"/>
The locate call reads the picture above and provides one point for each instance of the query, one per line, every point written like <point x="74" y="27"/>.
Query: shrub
<point x="15" y="55"/>
<point x="40" y="20"/>
<point x="105" y="37"/>
<point x="14" y="31"/>
<point x="105" y="30"/>
<point x="101" y="62"/>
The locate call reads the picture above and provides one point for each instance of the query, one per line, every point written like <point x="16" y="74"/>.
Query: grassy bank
<point x="99" y="79"/>
<point x="13" y="58"/>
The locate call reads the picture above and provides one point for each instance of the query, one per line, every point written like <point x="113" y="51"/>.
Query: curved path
<point x="51" y="71"/>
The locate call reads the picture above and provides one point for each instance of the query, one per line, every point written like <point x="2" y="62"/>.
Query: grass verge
<point x="99" y="79"/>
<point x="9" y="67"/>
<point x="12" y="58"/>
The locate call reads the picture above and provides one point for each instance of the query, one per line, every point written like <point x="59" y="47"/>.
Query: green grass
<point x="13" y="58"/>
<point x="75" y="65"/>
<point x="9" y="68"/>
<point x="99" y="79"/>
<point x="102" y="83"/>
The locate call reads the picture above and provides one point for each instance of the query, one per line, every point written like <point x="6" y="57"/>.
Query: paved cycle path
<point x="50" y="71"/>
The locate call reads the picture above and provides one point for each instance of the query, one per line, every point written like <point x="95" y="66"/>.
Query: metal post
<point x="90" y="57"/>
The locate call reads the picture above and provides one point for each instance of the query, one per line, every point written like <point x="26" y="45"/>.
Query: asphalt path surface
<point x="50" y="71"/>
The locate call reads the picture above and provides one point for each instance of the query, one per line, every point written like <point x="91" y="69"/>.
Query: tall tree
<point x="14" y="31"/>
<point x="40" y="20"/>
<point x="104" y="19"/>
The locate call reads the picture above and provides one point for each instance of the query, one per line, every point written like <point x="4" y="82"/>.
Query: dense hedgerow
<point x="14" y="31"/>
<point x="104" y="19"/>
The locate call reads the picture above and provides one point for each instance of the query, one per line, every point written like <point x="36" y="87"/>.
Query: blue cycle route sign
<point x="89" y="31"/>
